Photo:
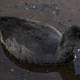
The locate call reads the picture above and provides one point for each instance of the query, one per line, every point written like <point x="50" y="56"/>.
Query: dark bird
<point x="30" y="42"/>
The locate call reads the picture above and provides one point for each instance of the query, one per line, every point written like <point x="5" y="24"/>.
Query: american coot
<point x="28" y="42"/>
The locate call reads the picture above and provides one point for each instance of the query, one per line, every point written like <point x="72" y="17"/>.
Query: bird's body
<point x="27" y="40"/>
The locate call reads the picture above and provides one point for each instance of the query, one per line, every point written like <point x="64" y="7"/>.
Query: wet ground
<point x="58" y="13"/>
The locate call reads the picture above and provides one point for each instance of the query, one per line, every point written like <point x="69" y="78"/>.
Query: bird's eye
<point x="78" y="50"/>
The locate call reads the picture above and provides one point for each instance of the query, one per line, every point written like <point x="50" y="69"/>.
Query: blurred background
<point x="58" y="13"/>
